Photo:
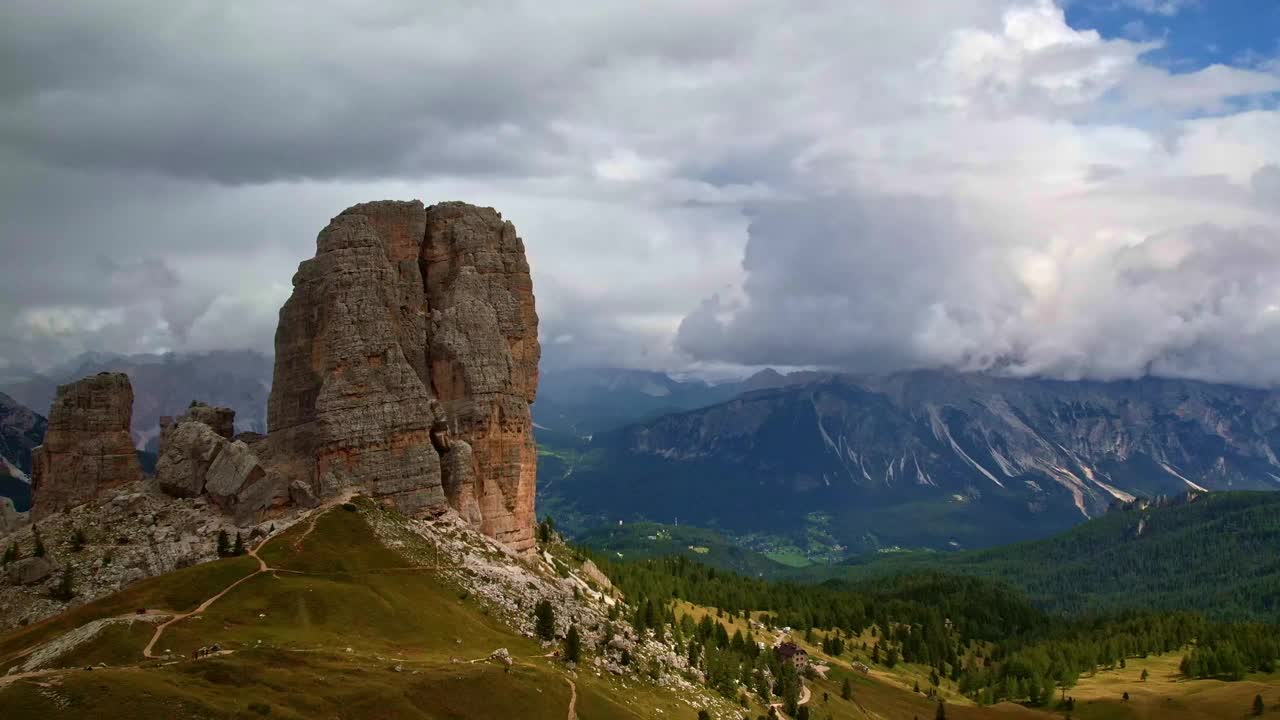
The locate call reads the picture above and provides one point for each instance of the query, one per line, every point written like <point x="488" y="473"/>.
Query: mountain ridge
<point x="996" y="459"/>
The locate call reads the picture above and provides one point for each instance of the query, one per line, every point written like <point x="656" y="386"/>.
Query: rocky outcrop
<point x="222" y="420"/>
<point x="87" y="448"/>
<point x="10" y="518"/>
<point x="129" y="533"/>
<point x="187" y="450"/>
<point x="195" y="458"/>
<point x="28" y="571"/>
<point x="406" y="360"/>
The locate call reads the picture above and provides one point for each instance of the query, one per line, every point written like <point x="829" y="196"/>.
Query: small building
<point x="794" y="654"/>
<point x="862" y="668"/>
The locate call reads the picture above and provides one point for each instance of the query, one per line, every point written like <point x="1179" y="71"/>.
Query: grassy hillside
<point x="1215" y="555"/>
<point x="348" y="623"/>
<point x="321" y="635"/>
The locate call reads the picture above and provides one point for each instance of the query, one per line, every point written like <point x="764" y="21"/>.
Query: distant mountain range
<point x="21" y="430"/>
<point x="162" y="385"/>
<point x="833" y="464"/>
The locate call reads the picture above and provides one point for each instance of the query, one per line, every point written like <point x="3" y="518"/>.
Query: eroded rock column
<point x="87" y="448"/>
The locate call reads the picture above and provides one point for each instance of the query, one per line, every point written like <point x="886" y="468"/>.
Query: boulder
<point x="87" y="448"/>
<point x="235" y="469"/>
<point x="187" y="451"/>
<point x="28" y="571"/>
<point x="301" y="494"/>
<point x="221" y="419"/>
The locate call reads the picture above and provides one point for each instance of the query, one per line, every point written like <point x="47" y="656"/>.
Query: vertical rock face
<point x="406" y="360"/>
<point x="87" y="447"/>
<point x="483" y="353"/>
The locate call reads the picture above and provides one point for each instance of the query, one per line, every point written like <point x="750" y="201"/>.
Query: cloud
<point x="1167" y="8"/>
<point x="923" y="182"/>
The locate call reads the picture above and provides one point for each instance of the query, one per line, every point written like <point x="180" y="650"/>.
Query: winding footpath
<point x="262" y="567"/>
<point x="573" y="699"/>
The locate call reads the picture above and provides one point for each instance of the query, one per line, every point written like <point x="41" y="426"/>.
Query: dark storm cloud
<point x="240" y="94"/>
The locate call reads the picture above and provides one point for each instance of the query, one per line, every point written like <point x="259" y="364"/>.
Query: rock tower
<point x="87" y="448"/>
<point x="406" y="360"/>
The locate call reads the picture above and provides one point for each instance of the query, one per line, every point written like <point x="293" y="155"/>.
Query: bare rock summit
<point x="406" y="360"/>
<point x="87" y="448"/>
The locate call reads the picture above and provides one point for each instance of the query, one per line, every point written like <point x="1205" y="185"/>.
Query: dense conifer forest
<point x="978" y="632"/>
<point x="1213" y="554"/>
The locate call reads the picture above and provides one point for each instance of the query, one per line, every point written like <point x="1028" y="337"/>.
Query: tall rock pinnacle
<point x="406" y="360"/>
<point x="87" y="448"/>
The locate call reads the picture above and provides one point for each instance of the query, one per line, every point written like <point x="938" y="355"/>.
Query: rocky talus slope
<point x="108" y="544"/>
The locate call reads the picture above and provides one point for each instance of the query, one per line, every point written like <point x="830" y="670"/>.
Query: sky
<point x="1079" y="189"/>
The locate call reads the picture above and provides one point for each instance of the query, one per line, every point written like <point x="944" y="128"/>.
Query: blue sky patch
<point x="1196" y="33"/>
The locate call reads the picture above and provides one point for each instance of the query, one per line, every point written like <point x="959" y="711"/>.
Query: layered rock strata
<point x="406" y="360"/>
<point x="87" y="448"/>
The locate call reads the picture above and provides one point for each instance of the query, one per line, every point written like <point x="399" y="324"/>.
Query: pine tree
<point x="544" y="620"/>
<point x="39" y="551"/>
<point x="224" y="544"/>
<point x="78" y="540"/>
<point x="238" y="550"/>
<point x="1258" y="707"/>
<point x="66" y="586"/>
<point x="10" y="554"/>
<point x="546" y="530"/>
<point x="846" y="690"/>
<point x="1145" y="675"/>
<point x="572" y="645"/>
<point x="942" y="712"/>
